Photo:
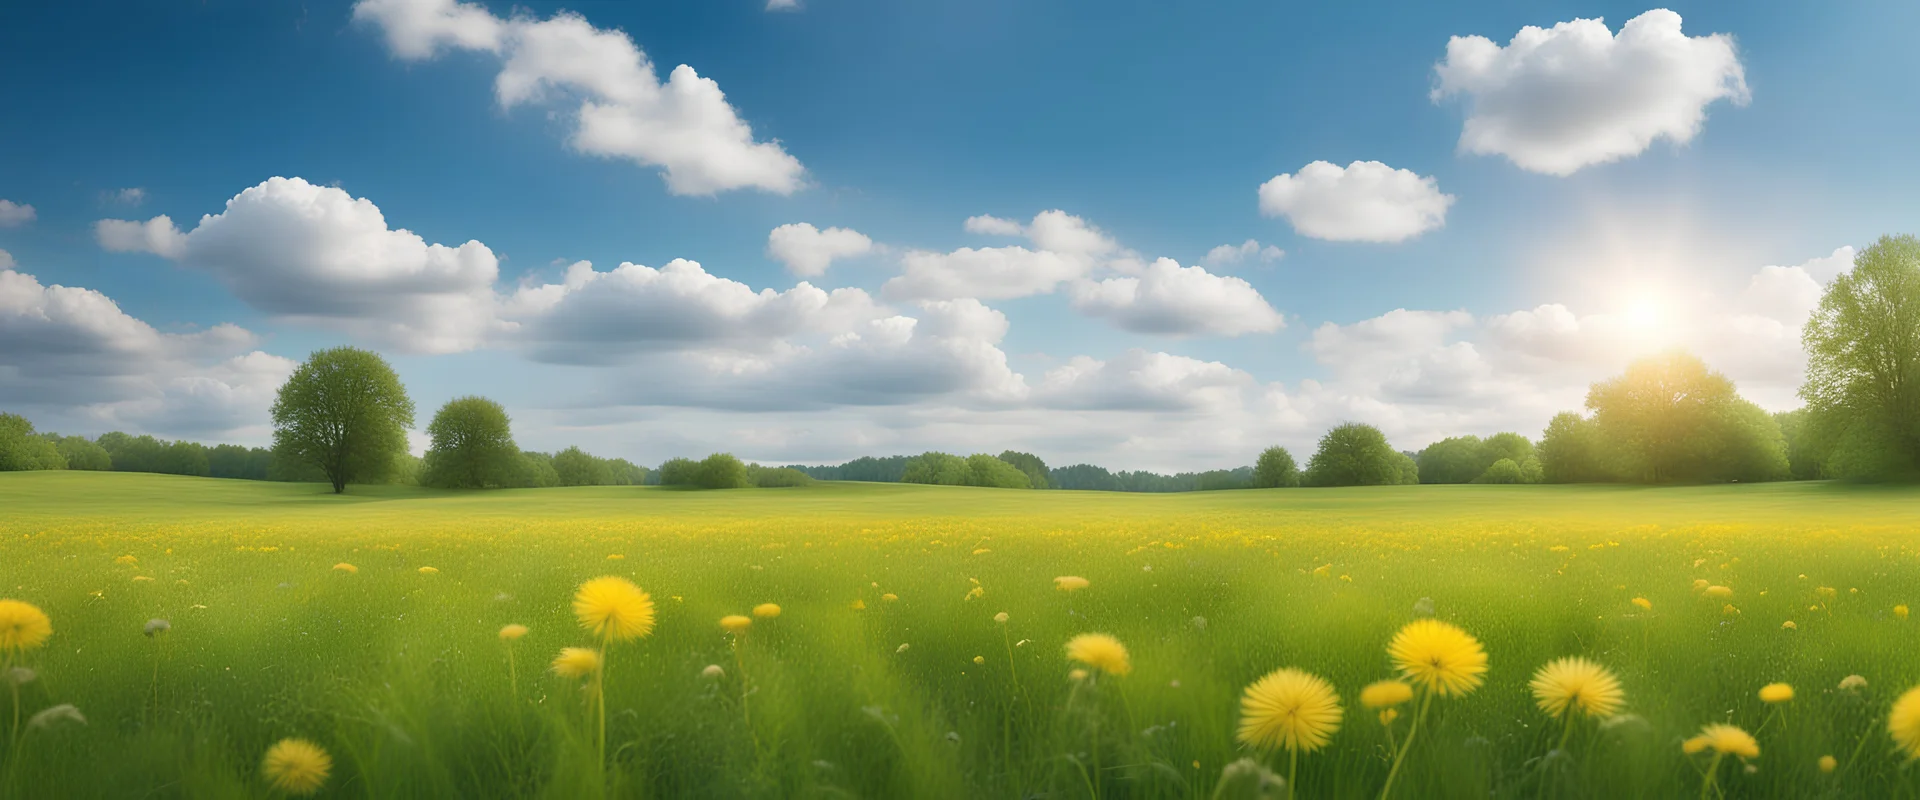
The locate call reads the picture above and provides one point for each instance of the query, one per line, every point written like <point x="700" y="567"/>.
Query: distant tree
<point x="21" y="449"/>
<point x="1084" y="477"/>
<point x="82" y="453"/>
<point x="472" y="447"/>
<point x="1510" y="446"/>
<point x="1863" y="364"/>
<point x="1505" y="470"/>
<point x="679" y="472"/>
<point x="345" y="412"/>
<point x="1807" y="450"/>
<point x="721" y="471"/>
<point x="868" y="468"/>
<point x="1457" y="459"/>
<point x="1358" y="455"/>
<point x="986" y="470"/>
<point x="536" y="471"/>
<point x="1409" y="469"/>
<point x="1531" y="471"/>
<point x="1274" y="469"/>
<point x="626" y="473"/>
<point x="941" y="469"/>
<point x="132" y="453"/>
<point x="1035" y="469"/>
<point x="184" y="458"/>
<point x="407" y="469"/>
<point x="776" y="477"/>
<point x="234" y="461"/>
<point x="1672" y="420"/>
<point x="577" y="468"/>
<point x="1571" y="451"/>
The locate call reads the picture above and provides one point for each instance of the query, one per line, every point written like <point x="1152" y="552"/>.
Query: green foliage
<point x="82" y="453"/>
<point x="472" y="448"/>
<point x="1035" y="469"/>
<point x="1505" y="470"/>
<point x="535" y="471"/>
<point x="21" y="449"/>
<point x="945" y="469"/>
<point x="986" y="470"/>
<point x="184" y="458"/>
<point x="1085" y="477"/>
<point x="721" y="471"/>
<point x="1863" y="365"/>
<point x="1669" y="419"/>
<point x="776" y="477"/>
<point x="577" y="468"/>
<point x="1531" y="470"/>
<point x="1510" y="446"/>
<point x="1808" y="444"/>
<point x="1358" y="455"/>
<point x="1453" y="460"/>
<point x="1275" y="469"/>
<point x="243" y="463"/>
<point x="626" y="473"/>
<point x="679" y="472"/>
<point x="345" y="412"/>
<point x="1571" y="451"/>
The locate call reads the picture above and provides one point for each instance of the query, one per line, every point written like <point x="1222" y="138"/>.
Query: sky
<point x="1141" y="235"/>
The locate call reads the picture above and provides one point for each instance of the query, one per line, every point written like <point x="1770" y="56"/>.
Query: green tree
<point x="1669" y="419"/>
<point x="722" y="471"/>
<point x="345" y="412"/>
<point x="1457" y="459"/>
<point x="985" y="470"/>
<point x="776" y="477"/>
<point x="679" y="472"/>
<point x="1505" y="470"/>
<point x="1275" y="469"/>
<point x="576" y="467"/>
<point x="472" y="447"/>
<point x="1863" y="364"/>
<point x="626" y="473"/>
<point x="1571" y="451"/>
<point x="21" y="449"/>
<point x="1356" y="455"/>
<point x="535" y="470"/>
<point x="1510" y="446"/>
<point x="1030" y="464"/>
<point x="1807" y="449"/>
<point x="184" y="458"/>
<point x="82" y="453"/>
<point x="941" y="469"/>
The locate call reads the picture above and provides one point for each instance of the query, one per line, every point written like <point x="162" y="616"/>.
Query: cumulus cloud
<point x="1139" y="380"/>
<point x="1229" y="254"/>
<point x="316" y="254"/>
<point x="598" y="317"/>
<point x="1365" y="201"/>
<point x="6" y="260"/>
<point x="14" y="215"/>
<point x="783" y="5"/>
<point x="71" y="356"/>
<point x="683" y="125"/>
<point x="989" y="225"/>
<point x="808" y="251"/>
<point x="1170" y="299"/>
<point x="1066" y="247"/>
<point x="1557" y="100"/>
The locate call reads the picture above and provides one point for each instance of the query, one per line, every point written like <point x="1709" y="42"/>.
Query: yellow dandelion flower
<point x="296" y="766"/>
<point x="889" y="597"/>
<point x="735" y="623"/>
<point x="614" y="609"/>
<point x="1291" y="709"/>
<point x="1826" y="591"/>
<point x="1439" y="656"/>
<point x="512" y="632"/>
<point x="346" y="568"/>
<point x="981" y="551"/>
<point x="979" y="659"/>
<point x="1000" y="618"/>
<point x="1828" y="764"/>
<point x="616" y="557"/>
<point x="576" y="662"/>
<point x="976" y="593"/>
<point x="1723" y="739"/>
<point x="1385" y="694"/>
<point x="1643" y="603"/>
<point x="429" y="570"/>
<point x="1070" y="583"/>
<point x="1101" y="652"/>
<point x="1904" y="722"/>
<point x="1776" y="693"/>
<point x="1388" y="715"/>
<point x="23" y="626"/>
<point x="1576" y="684"/>
<point x="1700" y="585"/>
<point x="1718" y="592"/>
<point x="1900" y="611"/>
<point x="766" y="610"/>
<point x="859" y="605"/>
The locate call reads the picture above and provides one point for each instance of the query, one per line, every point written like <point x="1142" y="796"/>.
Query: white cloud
<point x="157" y="236"/>
<point x="808" y="251"/>
<point x="1228" y="254"/>
<point x="1140" y="380"/>
<point x="70" y="356"/>
<point x="132" y="196"/>
<point x="14" y="215"/>
<point x="601" y="317"/>
<point x="989" y="225"/>
<point x="683" y="125"/>
<point x="1167" y="298"/>
<point x="316" y="254"/>
<point x="783" y="5"/>
<point x="1365" y="201"/>
<point x="6" y="260"/>
<point x="1555" y="101"/>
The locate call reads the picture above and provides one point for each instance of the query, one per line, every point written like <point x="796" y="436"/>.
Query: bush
<point x="1505" y="470"/>
<point x="776" y="477"/>
<point x="679" y="472"/>
<point x="721" y="471"/>
<point x="1275" y="469"/>
<point x="21" y="450"/>
<point x="1358" y="455"/>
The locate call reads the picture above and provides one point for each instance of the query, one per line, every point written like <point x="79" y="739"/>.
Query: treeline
<point x="725" y="471"/>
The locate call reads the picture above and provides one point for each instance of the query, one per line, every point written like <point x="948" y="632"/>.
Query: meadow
<point x="370" y="625"/>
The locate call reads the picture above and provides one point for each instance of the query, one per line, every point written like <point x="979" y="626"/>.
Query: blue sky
<point x="1155" y="123"/>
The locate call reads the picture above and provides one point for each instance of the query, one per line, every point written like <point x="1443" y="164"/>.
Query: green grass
<point x="401" y="676"/>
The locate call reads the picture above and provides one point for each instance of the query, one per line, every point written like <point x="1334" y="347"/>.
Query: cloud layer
<point x="1365" y="201"/>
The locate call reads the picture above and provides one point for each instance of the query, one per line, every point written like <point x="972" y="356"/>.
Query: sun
<point x="1645" y="313"/>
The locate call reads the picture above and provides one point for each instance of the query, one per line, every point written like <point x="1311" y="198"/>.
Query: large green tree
<point x="1357" y="455"/>
<point x="472" y="447"/>
<point x="1030" y="464"/>
<point x="1275" y="469"/>
<point x="577" y="467"/>
<point x="1863" y="364"/>
<point x="21" y="449"/>
<point x="345" y="412"/>
<point x="1670" y="419"/>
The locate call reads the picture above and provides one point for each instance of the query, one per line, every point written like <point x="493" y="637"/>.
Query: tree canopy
<point x="472" y="447"/>
<point x="1030" y="464"/>
<point x="1863" y="364"/>
<point x="21" y="449"/>
<point x="1358" y="455"/>
<point x="1275" y="469"/>
<point x="345" y="412"/>
<point x="1667" y="419"/>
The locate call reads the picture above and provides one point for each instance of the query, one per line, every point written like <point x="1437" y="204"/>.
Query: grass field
<point x="401" y="676"/>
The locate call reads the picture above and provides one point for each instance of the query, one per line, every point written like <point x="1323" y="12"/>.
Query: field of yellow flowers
<point x="183" y="637"/>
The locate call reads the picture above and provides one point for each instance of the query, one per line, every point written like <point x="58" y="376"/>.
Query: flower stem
<point x="1713" y="770"/>
<point x="1426" y="701"/>
<point x="1293" y="772"/>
